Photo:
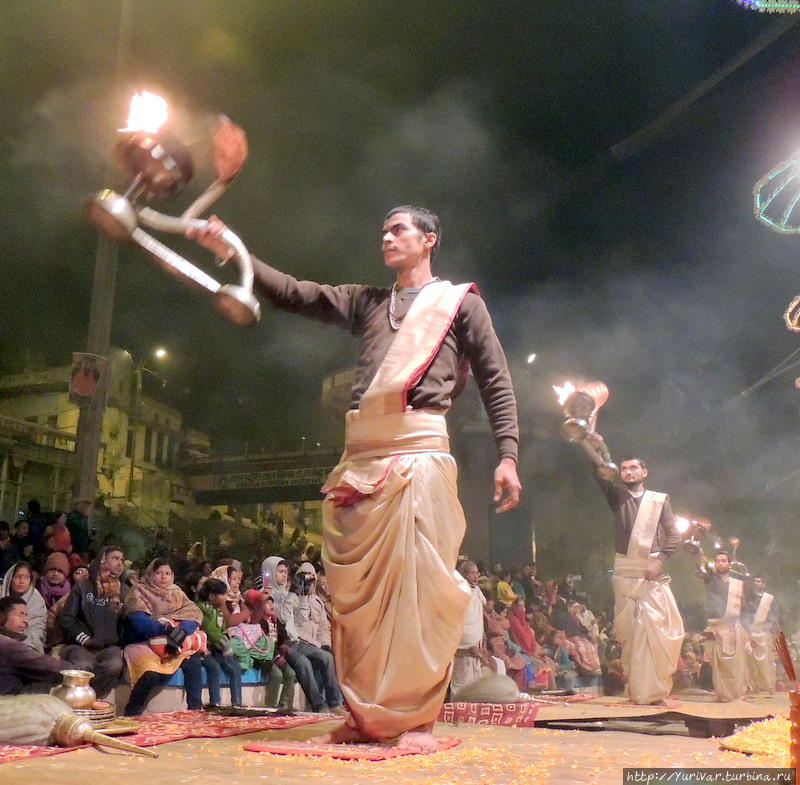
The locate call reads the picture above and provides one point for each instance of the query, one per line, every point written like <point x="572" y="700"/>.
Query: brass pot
<point x="75" y="690"/>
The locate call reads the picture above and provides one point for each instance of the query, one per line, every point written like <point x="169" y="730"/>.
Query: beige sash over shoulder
<point x="413" y="348"/>
<point x="647" y="621"/>
<point x="384" y="426"/>
<point x="634" y="563"/>
<point x="764" y="605"/>
<point x="733" y="608"/>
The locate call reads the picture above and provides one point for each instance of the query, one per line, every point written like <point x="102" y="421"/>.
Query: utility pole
<point x="90" y="420"/>
<point x="134" y="423"/>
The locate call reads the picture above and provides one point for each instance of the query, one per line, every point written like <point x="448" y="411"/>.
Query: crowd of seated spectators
<point x="61" y="608"/>
<point x="64" y="603"/>
<point x="544" y="635"/>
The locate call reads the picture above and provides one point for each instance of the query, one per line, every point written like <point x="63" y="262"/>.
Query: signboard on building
<point x="85" y="376"/>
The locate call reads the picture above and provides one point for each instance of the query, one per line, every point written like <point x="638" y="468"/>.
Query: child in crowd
<point x="54" y="584"/>
<point x="211" y="601"/>
<point x="281" y="685"/>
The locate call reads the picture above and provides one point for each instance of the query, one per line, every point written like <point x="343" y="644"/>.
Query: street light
<point x="160" y="353"/>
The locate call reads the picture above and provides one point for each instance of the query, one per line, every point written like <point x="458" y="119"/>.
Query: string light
<point x="777" y="194"/>
<point x="772" y="6"/>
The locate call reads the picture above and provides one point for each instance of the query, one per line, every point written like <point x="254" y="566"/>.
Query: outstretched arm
<point x="611" y="488"/>
<point x="330" y="304"/>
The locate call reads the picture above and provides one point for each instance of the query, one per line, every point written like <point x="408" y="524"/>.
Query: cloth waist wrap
<point x="649" y="627"/>
<point x="400" y="433"/>
<point x="626" y="567"/>
<point x="392" y="528"/>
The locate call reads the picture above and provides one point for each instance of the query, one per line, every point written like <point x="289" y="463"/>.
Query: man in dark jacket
<point x="91" y="619"/>
<point x="22" y="668"/>
<point x="9" y="555"/>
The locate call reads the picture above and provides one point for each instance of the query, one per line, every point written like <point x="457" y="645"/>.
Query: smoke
<point x="652" y="276"/>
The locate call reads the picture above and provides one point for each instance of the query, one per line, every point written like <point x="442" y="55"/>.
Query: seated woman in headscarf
<point x="583" y="649"/>
<point x="522" y="634"/>
<point x="157" y="612"/>
<point x="556" y="645"/>
<point x="500" y="647"/>
<point x="18" y="582"/>
<point x="250" y="646"/>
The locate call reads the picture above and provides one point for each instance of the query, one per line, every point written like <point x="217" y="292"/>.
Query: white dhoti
<point x="761" y="661"/>
<point x="761" y="655"/>
<point x="649" y="626"/>
<point x="392" y="527"/>
<point x="467" y="669"/>
<point x="729" y="668"/>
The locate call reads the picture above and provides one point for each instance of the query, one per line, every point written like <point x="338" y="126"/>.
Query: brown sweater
<point x="625" y="507"/>
<point x="22" y="666"/>
<point x="363" y="310"/>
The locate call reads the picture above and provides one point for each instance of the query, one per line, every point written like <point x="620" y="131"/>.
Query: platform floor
<point x="486" y="756"/>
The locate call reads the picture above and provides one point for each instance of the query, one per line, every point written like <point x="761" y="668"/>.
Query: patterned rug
<point x="520" y="714"/>
<point x="343" y="751"/>
<point x="174" y="726"/>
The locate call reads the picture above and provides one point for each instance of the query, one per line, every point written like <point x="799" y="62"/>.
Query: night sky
<point x="648" y="272"/>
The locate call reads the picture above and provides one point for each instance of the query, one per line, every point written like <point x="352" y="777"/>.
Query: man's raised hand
<point x="210" y="236"/>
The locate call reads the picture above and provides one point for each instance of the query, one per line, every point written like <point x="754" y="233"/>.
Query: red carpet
<point x="174" y="726"/>
<point x="520" y="714"/>
<point x="342" y="751"/>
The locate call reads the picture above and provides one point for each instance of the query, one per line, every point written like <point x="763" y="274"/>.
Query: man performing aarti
<point x="729" y="639"/>
<point x="392" y="523"/>
<point x="761" y="621"/>
<point x="646" y="618"/>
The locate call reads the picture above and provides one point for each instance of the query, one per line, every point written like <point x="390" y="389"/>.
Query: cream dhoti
<point x="649" y="626"/>
<point x="392" y="527"/>
<point x="729" y="652"/>
<point x="761" y="661"/>
<point x="761" y="657"/>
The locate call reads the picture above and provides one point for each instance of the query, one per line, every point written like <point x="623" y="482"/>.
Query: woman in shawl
<point x="235" y="612"/>
<point x="499" y="644"/>
<point x="18" y="582"/>
<point x="522" y="634"/>
<point x="155" y="607"/>
<point x="251" y="647"/>
<point x="583" y="650"/>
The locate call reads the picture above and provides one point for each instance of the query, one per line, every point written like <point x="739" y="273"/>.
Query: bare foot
<point x="667" y="703"/>
<point x="344" y="734"/>
<point x="422" y="740"/>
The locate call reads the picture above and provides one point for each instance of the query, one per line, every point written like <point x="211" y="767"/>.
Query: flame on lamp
<point x="682" y="524"/>
<point x="148" y="112"/>
<point x="564" y="391"/>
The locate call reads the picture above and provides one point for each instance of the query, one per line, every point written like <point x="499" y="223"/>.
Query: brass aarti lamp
<point x="159" y="167"/>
